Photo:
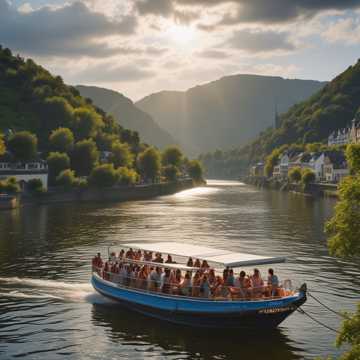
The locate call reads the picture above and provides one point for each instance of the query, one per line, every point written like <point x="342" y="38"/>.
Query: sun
<point x="181" y="34"/>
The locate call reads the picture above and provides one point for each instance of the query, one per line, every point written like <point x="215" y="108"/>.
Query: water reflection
<point x="182" y="342"/>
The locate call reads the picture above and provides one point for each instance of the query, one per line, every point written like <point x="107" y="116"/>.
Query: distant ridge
<point x="227" y="112"/>
<point x="127" y="114"/>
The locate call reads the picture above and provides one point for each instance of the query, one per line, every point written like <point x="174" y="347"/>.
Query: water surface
<point x="49" y="310"/>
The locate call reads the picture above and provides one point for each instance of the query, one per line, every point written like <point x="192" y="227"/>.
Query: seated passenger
<point x="137" y="255"/>
<point x="158" y="258"/>
<point x="97" y="261"/>
<point x="257" y="284"/>
<point x="142" y="278"/>
<point x="225" y="274"/>
<point x="185" y="286"/>
<point x="241" y="285"/>
<point x="147" y="256"/>
<point x="205" y="287"/>
<point x="230" y="279"/>
<point x="113" y="256"/>
<point x="130" y="254"/>
<point x="190" y="262"/>
<point x="197" y="263"/>
<point x="196" y="284"/>
<point x="122" y="274"/>
<point x="154" y="279"/>
<point x="273" y="283"/>
<point x="166" y="282"/>
<point x="177" y="278"/>
<point x="169" y="260"/>
<point x="211" y="277"/>
<point x="217" y="287"/>
<point x="121" y="254"/>
<point x="205" y="265"/>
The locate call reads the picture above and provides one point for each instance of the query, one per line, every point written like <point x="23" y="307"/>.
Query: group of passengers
<point x="202" y="282"/>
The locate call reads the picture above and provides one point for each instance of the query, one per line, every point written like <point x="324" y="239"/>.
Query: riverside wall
<point x="113" y="194"/>
<point x="312" y="189"/>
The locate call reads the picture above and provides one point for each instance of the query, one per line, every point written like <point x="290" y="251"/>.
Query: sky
<point x="139" y="47"/>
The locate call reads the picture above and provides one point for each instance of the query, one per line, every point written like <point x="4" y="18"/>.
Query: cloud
<point x="71" y="30"/>
<point x="274" y="11"/>
<point x="213" y="54"/>
<point x="108" y="73"/>
<point x="259" y="41"/>
<point x="155" y="7"/>
<point x="346" y="31"/>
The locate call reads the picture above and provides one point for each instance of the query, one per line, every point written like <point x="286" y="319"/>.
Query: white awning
<point x="223" y="257"/>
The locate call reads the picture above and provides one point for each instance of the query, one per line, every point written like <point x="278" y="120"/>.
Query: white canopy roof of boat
<point x="223" y="257"/>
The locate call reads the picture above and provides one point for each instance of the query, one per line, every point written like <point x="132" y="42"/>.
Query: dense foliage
<point x="23" y="145"/>
<point x="344" y="241"/>
<point x="41" y="114"/>
<point x="310" y="121"/>
<point x="295" y="174"/>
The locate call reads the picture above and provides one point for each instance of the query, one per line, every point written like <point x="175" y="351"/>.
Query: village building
<point x="335" y="166"/>
<point x="346" y="136"/>
<point x="281" y="169"/>
<point x="257" y="170"/>
<point x="316" y="163"/>
<point x="23" y="171"/>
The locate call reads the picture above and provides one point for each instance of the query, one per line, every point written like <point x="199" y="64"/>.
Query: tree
<point x="9" y="186"/>
<point x="23" y="145"/>
<point x="195" y="170"/>
<point x="2" y="146"/>
<point x="353" y="157"/>
<point x="170" y="172"/>
<point x="172" y="155"/>
<point x="127" y="176"/>
<point x="104" y="176"/>
<point x="121" y="155"/>
<point x="295" y="174"/>
<point x="149" y="162"/>
<point x="350" y="335"/>
<point x="343" y="230"/>
<point x="271" y="161"/>
<point x="57" y="162"/>
<point x="62" y="140"/>
<point x="307" y="176"/>
<point x="87" y="123"/>
<point x="84" y="157"/>
<point x="66" y="179"/>
<point x="35" y="186"/>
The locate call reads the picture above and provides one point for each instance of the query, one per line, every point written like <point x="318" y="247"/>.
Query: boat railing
<point x="225" y="292"/>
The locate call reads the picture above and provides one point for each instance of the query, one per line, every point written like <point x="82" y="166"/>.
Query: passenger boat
<point x="211" y="312"/>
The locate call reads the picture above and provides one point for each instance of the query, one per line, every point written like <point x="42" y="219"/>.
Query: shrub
<point x="104" y="176"/>
<point x="66" y="179"/>
<point x="127" y="176"/>
<point x="35" y="186"/>
<point x="57" y="162"/>
<point x="171" y="172"/>
<point x="307" y="176"/>
<point x="295" y="174"/>
<point x="9" y="186"/>
<point x="195" y="170"/>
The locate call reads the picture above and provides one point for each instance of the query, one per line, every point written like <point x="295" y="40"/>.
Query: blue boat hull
<point x="262" y="314"/>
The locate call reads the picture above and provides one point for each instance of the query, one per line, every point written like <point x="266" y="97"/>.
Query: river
<point x="48" y="309"/>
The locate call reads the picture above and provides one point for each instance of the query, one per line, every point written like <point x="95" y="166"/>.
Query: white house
<point x="281" y="169"/>
<point x="335" y="166"/>
<point x="347" y="135"/>
<point x="317" y="165"/>
<point x="23" y="171"/>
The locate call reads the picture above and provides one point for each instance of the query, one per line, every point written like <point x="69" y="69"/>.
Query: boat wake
<point x="27" y="288"/>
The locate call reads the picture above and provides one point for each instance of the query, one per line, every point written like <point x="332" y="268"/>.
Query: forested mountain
<point x="127" y="114"/>
<point x="227" y="112"/>
<point x="32" y="99"/>
<point x="312" y="120"/>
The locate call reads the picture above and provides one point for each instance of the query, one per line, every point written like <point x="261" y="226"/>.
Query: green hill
<point x="313" y="120"/>
<point x="32" y="99"/>
<point x="128" y="115"/>
<point x="227" y="112"/>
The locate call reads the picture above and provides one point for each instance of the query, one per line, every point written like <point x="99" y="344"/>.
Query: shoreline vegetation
<point x="311" y="189"/>
<point x="113" y="194"/>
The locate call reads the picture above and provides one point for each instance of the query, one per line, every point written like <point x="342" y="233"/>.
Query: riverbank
<point x="312" y="189"/>
<point x="113" y="194"/>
